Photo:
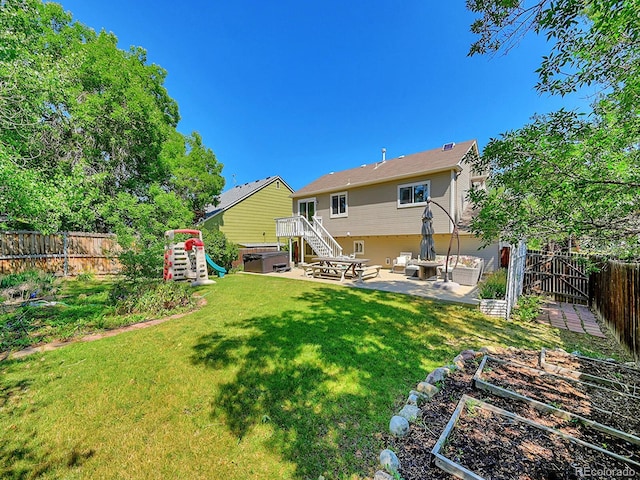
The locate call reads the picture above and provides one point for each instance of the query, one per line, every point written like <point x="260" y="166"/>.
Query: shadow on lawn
<point x="327" y="376"/>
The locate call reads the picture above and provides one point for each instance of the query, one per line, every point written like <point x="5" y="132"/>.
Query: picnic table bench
<point x="368" y="271"/>
<point x="307" y="268"/>
<point x="333" y="271"/>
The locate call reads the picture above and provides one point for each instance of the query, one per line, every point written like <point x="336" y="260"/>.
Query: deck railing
<point x="312" y="232"/>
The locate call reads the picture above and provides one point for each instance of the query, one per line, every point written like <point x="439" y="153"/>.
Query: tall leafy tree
<point x="567" y="174"/>
<point x="196" y="175"/>
<point x="88" y="137"/>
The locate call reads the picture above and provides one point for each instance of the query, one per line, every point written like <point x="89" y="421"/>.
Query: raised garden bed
<point x="414" y="450"/>
<point x="584" y="401"/>
<point x="527" y="449"/>
<point x="603" y="372"/>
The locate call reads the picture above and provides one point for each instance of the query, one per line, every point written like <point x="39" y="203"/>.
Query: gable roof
<point x="235" y="195"/>
<point x="430" y="161"/>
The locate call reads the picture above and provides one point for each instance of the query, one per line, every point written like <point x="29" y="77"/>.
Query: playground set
<point x="187" y="260"/>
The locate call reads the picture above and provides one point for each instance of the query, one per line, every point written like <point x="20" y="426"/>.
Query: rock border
<point x="417" y="399"/>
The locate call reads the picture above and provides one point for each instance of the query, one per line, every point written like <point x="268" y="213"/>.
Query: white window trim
<point x="413" y="184"/>
<point x="346" y="205"/>
<point x="358" y="242"/>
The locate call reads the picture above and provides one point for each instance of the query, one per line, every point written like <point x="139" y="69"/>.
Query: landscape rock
<point x="468" y="354"/>
<point x="419" y="398"/>
<point x="410" y="412"/>
<point x="490" y="349"/>
<point x="427" y="389"/>
<point x="399" y="426"/>
<point x="389" y="460"/>
<point x="380" y="475"/>
<point x="438" y="375"/>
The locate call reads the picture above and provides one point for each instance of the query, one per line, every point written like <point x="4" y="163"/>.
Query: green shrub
<point x="152" y="297"/>
<point x="494" y="286"/>
<point x="33" y="282"/>
<point x="527" y="309"/>
<point x="145" y="262"/>
<point x="85" y="277"/>
<point x="219" y="248"/>
<point x="35" y="276"/>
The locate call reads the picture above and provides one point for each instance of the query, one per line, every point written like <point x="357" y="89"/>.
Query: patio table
<point x="428" y="269"/>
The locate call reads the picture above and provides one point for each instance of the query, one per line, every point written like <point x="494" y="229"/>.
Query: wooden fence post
<point x="65" y="252"/>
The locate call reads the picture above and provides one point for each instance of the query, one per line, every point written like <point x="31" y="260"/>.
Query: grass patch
<point x="273" y="378"/>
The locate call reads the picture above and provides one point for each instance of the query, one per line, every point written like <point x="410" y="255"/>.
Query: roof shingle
<point x="429" y="161"/>
<point x="238" y="193"/>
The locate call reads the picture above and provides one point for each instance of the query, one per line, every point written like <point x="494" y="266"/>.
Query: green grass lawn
<point x="274" y="378"/>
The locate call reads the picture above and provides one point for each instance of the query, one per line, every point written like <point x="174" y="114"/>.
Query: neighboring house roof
<point x="237" y="194"/>
<point x="430" y="161"/>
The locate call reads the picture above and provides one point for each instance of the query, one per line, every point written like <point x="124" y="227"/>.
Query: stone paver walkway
<point x="576" y="318"/>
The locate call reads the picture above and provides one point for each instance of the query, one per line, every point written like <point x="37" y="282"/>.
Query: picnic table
<point x="338" y="267"/>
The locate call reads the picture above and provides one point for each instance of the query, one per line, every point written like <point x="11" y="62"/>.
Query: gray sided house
<point x="375" y="210"/>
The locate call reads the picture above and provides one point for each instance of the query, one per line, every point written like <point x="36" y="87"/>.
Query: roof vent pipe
<point x="384" y="154"/>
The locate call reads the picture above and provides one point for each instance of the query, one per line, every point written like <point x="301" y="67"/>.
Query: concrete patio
<point x="394" y="282"/>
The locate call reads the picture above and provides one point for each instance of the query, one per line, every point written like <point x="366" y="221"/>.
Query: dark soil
<point x="505" y="455"/>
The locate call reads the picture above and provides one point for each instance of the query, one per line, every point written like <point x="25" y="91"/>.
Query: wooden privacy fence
<point x="616" y="297"/>
<point x="613" y="290"/>
<point x="562" y="275"/>
<point x="67" y="253"/>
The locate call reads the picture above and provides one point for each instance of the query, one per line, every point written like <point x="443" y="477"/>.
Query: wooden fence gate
<point x="560" y="274"/>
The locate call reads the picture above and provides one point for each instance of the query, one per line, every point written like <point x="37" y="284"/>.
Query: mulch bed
<point x="497" y="448"/>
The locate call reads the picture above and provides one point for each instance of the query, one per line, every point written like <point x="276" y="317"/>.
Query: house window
<point x="339" y="205"/>
<point x="358" y="247"/>
<point x="412" y="194"/>
<point x="277" y="184"/>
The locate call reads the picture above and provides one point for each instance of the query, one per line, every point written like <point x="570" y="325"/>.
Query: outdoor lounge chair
<point x="400" y="262"/>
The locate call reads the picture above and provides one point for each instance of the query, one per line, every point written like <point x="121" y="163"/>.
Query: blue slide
<point x="217" y="268"/>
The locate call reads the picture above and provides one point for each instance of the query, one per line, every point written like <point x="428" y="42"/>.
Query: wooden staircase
<point x="312" y="232"/>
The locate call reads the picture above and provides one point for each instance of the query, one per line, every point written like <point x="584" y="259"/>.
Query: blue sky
<point x="299" y="88"/>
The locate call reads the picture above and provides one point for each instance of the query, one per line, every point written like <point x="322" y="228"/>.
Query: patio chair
<point x="400" y="262"/>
